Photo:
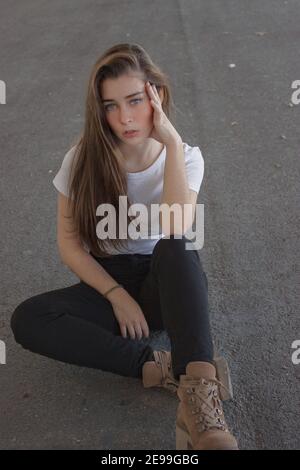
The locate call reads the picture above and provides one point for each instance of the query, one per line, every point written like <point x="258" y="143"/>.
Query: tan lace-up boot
<point x="159" y="373"/>
<point x="200" y="422"/>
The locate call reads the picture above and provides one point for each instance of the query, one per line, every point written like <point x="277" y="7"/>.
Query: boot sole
<point x="183" y="441"/>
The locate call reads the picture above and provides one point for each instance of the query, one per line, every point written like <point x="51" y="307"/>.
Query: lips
<point x="131" y="131"/>
<point x="130" y="134"/>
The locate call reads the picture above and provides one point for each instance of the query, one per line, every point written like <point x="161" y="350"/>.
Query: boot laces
<point x="209" y="413"/>
<point x="163" y="360"/>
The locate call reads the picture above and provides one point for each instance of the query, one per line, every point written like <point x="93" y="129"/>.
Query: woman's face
<point x="124" y="112"/>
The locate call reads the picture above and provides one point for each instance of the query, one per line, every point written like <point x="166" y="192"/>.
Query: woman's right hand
<point x="129" y="314"/>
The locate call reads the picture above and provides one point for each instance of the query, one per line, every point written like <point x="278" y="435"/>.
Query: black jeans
<point x="77" y="325"/>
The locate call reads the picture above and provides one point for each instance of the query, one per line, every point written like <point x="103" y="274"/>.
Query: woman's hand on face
<point x="163" y="131"/>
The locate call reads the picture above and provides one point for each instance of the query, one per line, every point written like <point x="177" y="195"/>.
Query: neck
<point x="136" y="156"/>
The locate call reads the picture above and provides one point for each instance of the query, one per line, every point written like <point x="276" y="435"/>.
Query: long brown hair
<point x="97" y="174"/>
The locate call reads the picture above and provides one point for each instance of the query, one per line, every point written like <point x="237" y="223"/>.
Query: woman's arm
<point x="127" y="311"/>
<point x="78" y="260"/>
<point x="91" y="272"/>
<point x="176" y="190"/>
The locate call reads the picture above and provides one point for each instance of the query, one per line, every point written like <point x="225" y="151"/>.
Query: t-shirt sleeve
<point x="61" y="179"/>
<point x="194" y="164"/>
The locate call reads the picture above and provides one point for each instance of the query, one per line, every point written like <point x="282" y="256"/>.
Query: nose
<point x="125" y="115"/>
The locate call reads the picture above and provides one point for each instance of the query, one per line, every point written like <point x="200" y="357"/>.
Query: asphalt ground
<point x="242" y="118"/>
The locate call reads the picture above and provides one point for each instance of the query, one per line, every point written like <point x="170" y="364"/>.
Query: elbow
<point x="62" y="256"/>
<point x="181" y="231"/>
<point x="67" y="251"/>
<point x="174" y="225"/>
<point x="63" y="252"/>
<point x="177" y="229"/>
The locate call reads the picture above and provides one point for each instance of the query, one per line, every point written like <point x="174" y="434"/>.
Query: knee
<point x="17" y="319"/>
<point x="174" y="248"/>
<point x="22" y="321"/>
<point x="168" y="245"/>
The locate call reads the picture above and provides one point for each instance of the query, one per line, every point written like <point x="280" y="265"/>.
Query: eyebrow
<point x="129" y="96"/>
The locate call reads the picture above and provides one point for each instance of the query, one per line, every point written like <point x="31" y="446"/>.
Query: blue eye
<point x="135" y="101"/>
<point x="106" y="107"/>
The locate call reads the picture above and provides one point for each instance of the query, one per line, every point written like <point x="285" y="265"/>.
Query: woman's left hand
<point x="163" y="131"/>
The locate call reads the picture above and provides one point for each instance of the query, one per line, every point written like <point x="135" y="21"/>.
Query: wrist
<point x="116" y="295"/>
<point x="111" y="289"/>
<point x="174" y="141"/>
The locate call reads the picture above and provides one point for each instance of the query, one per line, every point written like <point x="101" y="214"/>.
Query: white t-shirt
<point x="143" y="187"/>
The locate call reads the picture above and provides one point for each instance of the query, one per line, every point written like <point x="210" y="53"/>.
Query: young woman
<point x="130" y="285"/>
